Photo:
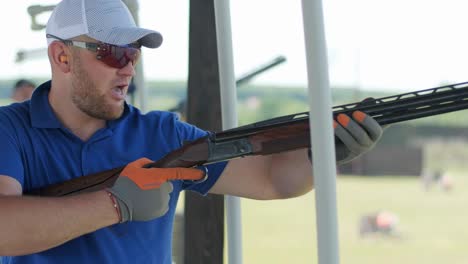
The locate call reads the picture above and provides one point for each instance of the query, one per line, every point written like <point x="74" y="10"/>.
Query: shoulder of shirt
<point x="162" y="116"/>
<point x="14" y="110"/>
<point x="13" y="117"/>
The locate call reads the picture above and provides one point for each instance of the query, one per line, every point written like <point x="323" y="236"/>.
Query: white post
<point x="229" y="119"/>
<point x="139" y="78"/>
<point x="322" y="136"/>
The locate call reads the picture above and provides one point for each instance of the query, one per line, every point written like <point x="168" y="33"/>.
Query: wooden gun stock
<point x="279" y="134"/>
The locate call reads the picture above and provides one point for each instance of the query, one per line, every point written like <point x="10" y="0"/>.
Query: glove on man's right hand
<point x="142" y="193"/>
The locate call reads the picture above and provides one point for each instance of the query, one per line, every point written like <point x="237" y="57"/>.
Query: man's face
<point x="97" y="89"/>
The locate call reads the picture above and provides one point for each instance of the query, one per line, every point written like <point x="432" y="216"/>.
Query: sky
<point x="402" y="45"/>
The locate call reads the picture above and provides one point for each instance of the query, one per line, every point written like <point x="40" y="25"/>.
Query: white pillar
<point x="229" y="119"/>
<point x="322" y="136"/>
<point x="139" y="78"/>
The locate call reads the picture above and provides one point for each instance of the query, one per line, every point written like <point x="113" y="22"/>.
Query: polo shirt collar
<point x="41" y="112"/>
<point x="42" y="115"/>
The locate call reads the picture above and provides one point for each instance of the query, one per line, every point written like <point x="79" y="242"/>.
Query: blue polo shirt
<point x="38" y="151"/>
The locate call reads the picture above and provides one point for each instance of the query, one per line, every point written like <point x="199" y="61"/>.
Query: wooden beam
<point x="204" y="216"/>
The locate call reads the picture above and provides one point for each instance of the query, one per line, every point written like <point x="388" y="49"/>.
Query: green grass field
<point x="432" y="224"/>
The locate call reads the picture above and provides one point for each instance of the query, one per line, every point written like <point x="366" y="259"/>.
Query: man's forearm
<point x="34" y="224"/>
<point x="291" y="173"/>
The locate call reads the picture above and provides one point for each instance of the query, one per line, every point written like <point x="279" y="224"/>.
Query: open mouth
<point x="119" y="92"/>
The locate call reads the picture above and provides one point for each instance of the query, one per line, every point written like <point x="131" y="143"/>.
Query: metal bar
<point x="324" y="167"/>
<point x="229" y="119"/>
<point x="248" y="76"/>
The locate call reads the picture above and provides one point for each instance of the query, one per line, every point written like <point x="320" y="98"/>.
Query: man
<point x="79" y="123"/>
<point x="22" y="90"/>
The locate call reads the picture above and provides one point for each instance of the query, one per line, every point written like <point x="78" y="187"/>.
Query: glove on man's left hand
<point x="143" y="193"/>
<point x="355" y="136"/>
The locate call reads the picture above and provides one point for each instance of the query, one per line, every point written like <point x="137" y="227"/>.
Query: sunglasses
<point x="112" y="55"/>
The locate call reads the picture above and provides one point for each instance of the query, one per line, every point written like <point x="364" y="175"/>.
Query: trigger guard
<point x="204" y="168"/>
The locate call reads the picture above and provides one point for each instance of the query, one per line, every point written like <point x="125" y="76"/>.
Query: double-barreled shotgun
<point x="279" y="134"/>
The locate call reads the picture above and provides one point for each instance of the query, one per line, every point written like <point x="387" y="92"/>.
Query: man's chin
<point x="114" y="115"/>
<point x="114" y="111"/>
<point x="108" y="114"/>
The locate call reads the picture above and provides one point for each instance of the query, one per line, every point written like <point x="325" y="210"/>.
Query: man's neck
<point x="78" y="122"/>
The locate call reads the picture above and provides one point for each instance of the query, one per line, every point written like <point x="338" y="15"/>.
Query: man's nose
<point x="128" y="70"/>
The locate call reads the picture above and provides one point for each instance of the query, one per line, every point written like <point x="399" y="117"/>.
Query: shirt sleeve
<point x="213" y="171"/>
<point x="11" y="163"/>
<point x="188" y="132"/>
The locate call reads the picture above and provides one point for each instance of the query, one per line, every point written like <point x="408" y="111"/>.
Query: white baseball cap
<point x="108" y="21"/>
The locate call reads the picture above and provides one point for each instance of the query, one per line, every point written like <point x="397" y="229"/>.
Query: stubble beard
<point x="86" y="97"/>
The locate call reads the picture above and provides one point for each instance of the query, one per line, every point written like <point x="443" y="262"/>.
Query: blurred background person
<point x="381" y="222"/>
<point x="22" y="90"/>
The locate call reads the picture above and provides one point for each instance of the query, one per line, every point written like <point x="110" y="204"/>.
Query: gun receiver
<point x="279" y="134"/>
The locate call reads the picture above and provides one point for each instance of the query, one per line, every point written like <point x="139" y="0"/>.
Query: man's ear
<point x="63" y="58"/>
<point x="59" y="55"/>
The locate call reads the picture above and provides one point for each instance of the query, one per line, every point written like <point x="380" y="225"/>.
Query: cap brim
<point x="152" y="40"/>
<point x="123" y="36"/>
